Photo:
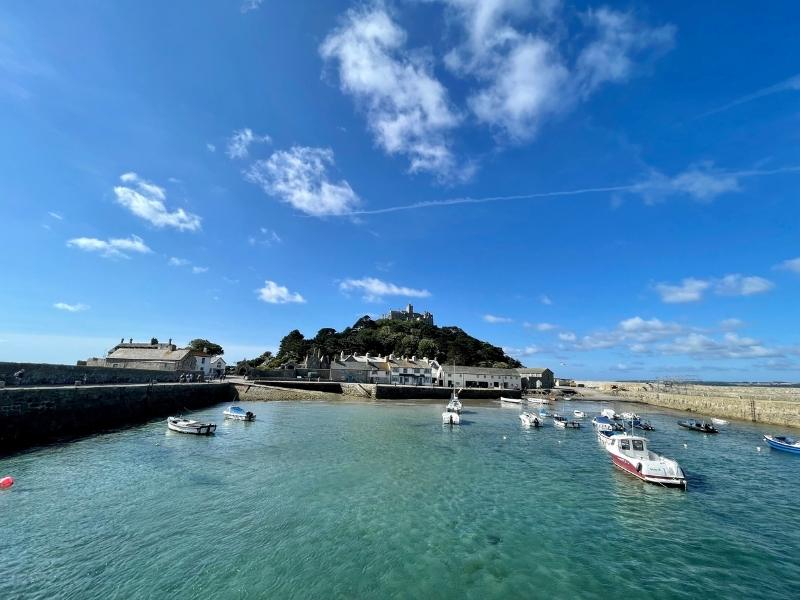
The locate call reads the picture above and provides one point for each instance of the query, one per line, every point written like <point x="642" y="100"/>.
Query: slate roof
<point x="150" y="353"/>
<point x="479" y="370"/>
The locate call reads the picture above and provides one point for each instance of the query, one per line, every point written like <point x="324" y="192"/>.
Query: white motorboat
<point x="538" y="400"/>
<point x="579" y="413"/>
<point x="604" y="436"/>
<point x="455" y="404"/>
<point x="631" y="454"/>
<point x="451" y="418"/>
<point x="564" y="423"/>
<point x="182" y="425"/>
<point x="510" y="400"/>
<point x="530" y="420"/>
<point x="602" y="423"/>
<point x="609" y="413"/>
<point x="237" y="413"/>
<point x="717" y="421"/>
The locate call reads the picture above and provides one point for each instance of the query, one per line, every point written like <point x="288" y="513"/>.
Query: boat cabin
<point x="631" y="446"/>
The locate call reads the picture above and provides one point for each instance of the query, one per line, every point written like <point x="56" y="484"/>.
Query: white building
<point x="477" y="377"/>
<point x="211" y="366"/>
<point x="368" y="368"/>
<point x="412" y="371"/>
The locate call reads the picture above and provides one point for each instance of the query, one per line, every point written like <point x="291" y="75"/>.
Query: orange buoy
<point x="6" y="482"/>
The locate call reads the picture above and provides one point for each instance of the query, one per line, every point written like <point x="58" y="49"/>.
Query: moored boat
<point x="717" y="421"/>
<point x="631" y="454"/>
<point x="237" y="413"/>
<point x="604" y="436"/>
<point x="701" y="426"/>
<point x="182" y="425"/>
<point x="564" y="423"/>
<point x="629" y="416"/>
<point x="602" y="423"/>
<point x="643" y="425"/>
<point x="537" y="400"/>
<point x="530" y="420"/>
<point x="544" y="413"/>
<point x="784" y="443"/>
<point x="454" y="405"/>
<point x="579" y="413"/>
<point x="609" y="413"/>
<point x="451" y="418"/>
<point x="510" y="400"/>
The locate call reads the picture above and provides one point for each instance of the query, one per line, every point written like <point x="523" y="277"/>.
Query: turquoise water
<point x="376" y="500"/>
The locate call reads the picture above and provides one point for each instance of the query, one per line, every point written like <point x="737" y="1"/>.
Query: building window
<point x="416" y="371"/>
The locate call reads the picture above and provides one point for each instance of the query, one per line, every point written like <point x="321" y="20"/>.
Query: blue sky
<point x="606" y="189"/>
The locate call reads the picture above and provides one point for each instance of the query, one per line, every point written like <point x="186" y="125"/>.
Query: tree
<point x="153" y="341"/>
<point x="293" y="347"/>
<point x="427" y="347"/>
<point x="200" y="344"/>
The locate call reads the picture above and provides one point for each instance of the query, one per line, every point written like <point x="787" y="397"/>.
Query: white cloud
<point x="278" y="294"/>
<point x="239" y="143"/>
<point x="731" y="323"/>
<point x="146" y="200"/>
<point x="689" y="290"/>
<point x="609" y="57"/>
<point x="267" y="237"/>
<point x="211" y="147"/>
<point x="792" y="264"/>
<point x="407" y="108"/>
<point x="739" y="285"/>
<point x="70" y="307"/>
<point x="178" y="262"/>
<point x="567" y="336"/>
<point x="729" y="346"/>
<point x="299" y="177"/>
<point x="496" y="319"/>
<point x="541" y="326"/>
<point x="375" y="289"/>
<point x="525" y="74"/>
<point x="56" y="216"/>
<point x="113" y="248"/>
<point x="198" y="270"/>
<point x="526" y="351"/>
<point x="544" y="299"/>
<point x="250" y="5"/>
<point x="790" y="84"/>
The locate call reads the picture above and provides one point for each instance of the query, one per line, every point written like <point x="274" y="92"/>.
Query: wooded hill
<point x="384" y="337"/>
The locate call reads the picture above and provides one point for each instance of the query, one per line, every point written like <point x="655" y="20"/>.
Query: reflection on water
<point x="372" y="500"/>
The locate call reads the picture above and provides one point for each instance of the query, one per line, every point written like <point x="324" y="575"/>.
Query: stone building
<point x="477" y="377"/>
<point x="408" y="314"/>
<point x="536" y="377"/>
<point x="368" y="368"/>
<point x="135" y="355"/>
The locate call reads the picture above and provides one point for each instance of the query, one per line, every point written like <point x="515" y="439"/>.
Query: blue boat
<point x="781" y="442"/>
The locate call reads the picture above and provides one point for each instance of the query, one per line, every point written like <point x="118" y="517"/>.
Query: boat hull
<point x="199" y="429"/>
<point x="236" y="417"/>
<point x="630" y="468"/>
<point x="778" y="445"/>
<point x="451" y="418"/>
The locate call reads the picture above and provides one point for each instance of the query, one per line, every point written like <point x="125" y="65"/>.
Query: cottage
<point x="156" y="356"/>
<point x="536" y="377"/>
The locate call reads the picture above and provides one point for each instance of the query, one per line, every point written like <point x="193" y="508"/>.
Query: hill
<point x="402" y="338"/>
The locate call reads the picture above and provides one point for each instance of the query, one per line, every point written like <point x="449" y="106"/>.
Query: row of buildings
<point x="391" y="369"/>
<point x="159" y="357"/>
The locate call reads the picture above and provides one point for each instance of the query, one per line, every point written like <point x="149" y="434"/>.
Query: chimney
<point x="130" y="341"/>
<point x="121" y="340"/>
<point x="170" y="341"/>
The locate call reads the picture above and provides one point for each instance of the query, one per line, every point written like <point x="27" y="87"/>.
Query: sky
<point x="605" y="189"/>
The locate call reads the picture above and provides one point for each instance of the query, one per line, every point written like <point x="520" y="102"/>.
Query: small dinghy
<point x="701" y="426"/>
<point x="530" y="420"/>
<point x="563" y="423"/>
<point x="237" y="413"/>
<point x="643" y="425"/>
<point x="781" y="442"/>
<point x="631" y="454"/>
<point x="717" y="421"/>
<point x="182" y="425"/>
<point x="505" y="400"/>
<point x="579" y="413"/>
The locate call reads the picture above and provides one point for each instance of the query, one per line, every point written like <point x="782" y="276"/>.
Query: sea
<point x="380" y="500"/>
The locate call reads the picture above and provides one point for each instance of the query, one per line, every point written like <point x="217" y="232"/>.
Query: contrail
<point x="469" y="200"/>
<point x="793" y="83"/>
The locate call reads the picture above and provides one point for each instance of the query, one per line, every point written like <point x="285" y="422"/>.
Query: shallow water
<point x="376" y="500"/>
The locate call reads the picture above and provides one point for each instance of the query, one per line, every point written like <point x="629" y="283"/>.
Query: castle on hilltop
<point x="408" y="314"/>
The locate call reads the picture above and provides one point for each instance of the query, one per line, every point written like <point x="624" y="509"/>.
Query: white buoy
<point x="685" y="445"/>
<point x="758" y="448"/>
<point x="504" y="437"/>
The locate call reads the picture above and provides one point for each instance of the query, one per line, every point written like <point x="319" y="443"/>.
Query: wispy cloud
<point x="199" y="270"/>
<point x="522" y="352"/>
<point x="147" y="201"/>
<point x="693" y="290"/>
<point x="408" y="110"/>
<point x="375" y="290"/>
<point x="55" y="215"/>
<point x="792" y="84"/>
<point x="112" y="248"/>
<point x="300" y="178"/>
<point x="250" y="5"/>
<point x="792" y="264"/>
<point x="178" y="262"/>
<point x="495" y="319"/>
<point x="211" y="147"/>
<point x="239" y="143"/>
<point x="266" y="237"/>
<point x="567" y="336"/>
<point x="540" y="326"/>
<point x="273" y="293"/>
<point x="545" y="299"/>
<point x="73" y="308"/>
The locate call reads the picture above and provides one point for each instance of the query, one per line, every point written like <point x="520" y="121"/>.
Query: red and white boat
<point x="630" y="453"/>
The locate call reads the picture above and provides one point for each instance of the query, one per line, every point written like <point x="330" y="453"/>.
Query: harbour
<point x="374" y="498"/>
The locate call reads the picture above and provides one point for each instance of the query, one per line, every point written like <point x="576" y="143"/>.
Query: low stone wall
<point x="318" y="386"/>
<point x="31" y="416"/>
<point x="267" y="392"/>
<point x="400" y="392"/>
<point x="779" y="406"/>
<point x="49" y="374"/>
<point x="282" y="390"/>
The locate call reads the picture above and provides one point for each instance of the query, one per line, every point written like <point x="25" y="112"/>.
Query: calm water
<point x="318" y="500"/>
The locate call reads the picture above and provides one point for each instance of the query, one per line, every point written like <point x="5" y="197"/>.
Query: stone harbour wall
<point x="31" y="416"/>
<point x="50" y="374"/>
